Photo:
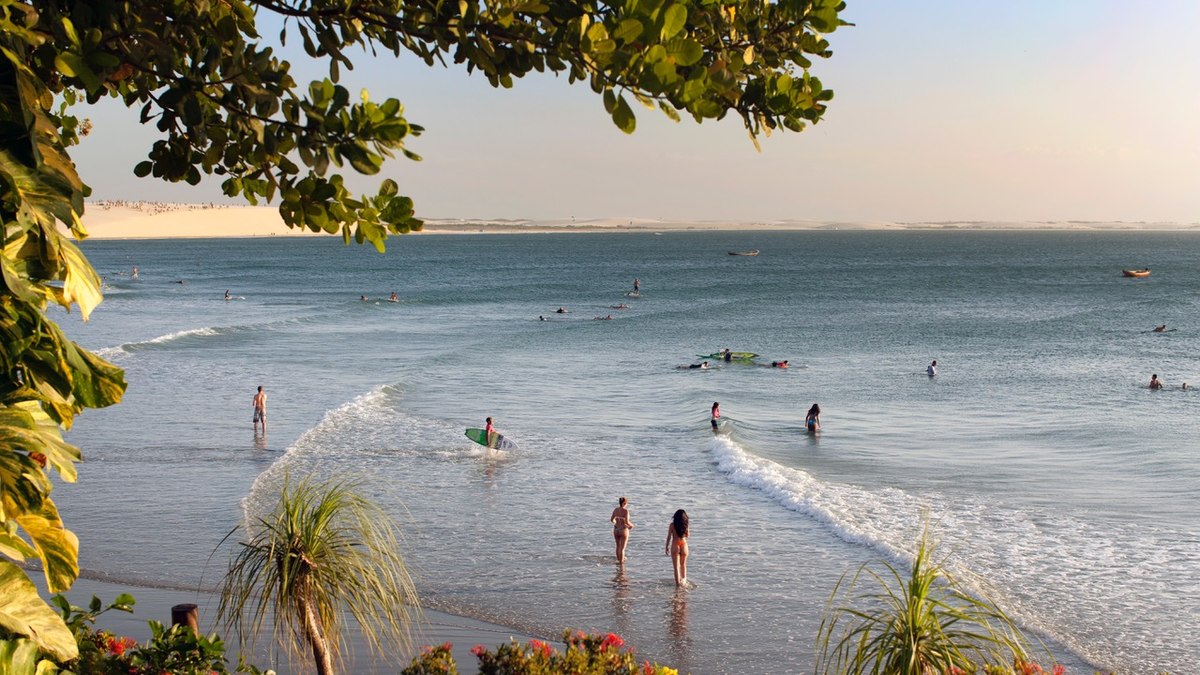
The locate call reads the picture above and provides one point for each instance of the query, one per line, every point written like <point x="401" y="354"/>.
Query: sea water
<point x="1053" y="479"/>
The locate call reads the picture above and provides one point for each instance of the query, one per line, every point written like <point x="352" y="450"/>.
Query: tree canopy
<point x="224" y="104"/>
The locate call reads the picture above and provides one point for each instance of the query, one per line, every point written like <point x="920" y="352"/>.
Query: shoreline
<point x="155" y="602"/>
<point x="106" y="220"/>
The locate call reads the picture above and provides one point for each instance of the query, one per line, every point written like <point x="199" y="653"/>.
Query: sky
<point x="944" y="110"/>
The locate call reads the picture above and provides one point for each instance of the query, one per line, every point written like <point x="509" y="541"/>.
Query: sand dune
<point x="155" y="220"/>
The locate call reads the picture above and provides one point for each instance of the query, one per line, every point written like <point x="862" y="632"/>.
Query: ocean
<point x="1053" y="479"/>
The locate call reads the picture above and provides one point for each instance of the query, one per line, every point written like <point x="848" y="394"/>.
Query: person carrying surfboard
<point x="490" y="432"/>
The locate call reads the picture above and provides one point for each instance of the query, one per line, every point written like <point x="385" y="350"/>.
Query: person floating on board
<point x="227" y="296"/>
<point x="1155" y="383"/>
<point x="489" y="433"/>
<point x="1184" y="386"/>
<point x="394" y="297"/>
<point x="931" y="370"/>
<point x="1161" y="328"/>
<point x="561" y="310"/>
<point x="812" y="421"/>
<point x="716" y="414"/>
<point x="260" y="410"/>
<point x="779" y="364"/>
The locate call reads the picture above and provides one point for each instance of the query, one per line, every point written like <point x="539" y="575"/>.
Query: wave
<point x="1042" y="566"/>
<point x="189" y="334"/>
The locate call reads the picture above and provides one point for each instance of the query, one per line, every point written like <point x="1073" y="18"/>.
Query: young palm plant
<point x="920" y="625"/>
<point x="323" y="553"/>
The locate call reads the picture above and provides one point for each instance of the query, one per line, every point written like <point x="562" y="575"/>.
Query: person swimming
<point x="561" y="310"/>
<point x="1155" y="383"/>
<point x="779" y="364"/>
<point x="1160" y="328"/>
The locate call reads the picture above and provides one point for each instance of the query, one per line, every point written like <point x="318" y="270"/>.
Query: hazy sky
<point x="944" y="110"/>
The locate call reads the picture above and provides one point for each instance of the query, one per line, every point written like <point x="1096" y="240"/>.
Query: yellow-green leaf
<point x="22" y="612"/>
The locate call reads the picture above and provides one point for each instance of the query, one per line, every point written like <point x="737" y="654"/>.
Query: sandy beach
<point x="156" y="220"/>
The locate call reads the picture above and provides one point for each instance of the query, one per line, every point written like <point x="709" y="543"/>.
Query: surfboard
<point x="480" y="437"/>
<point x="736" y="356"/>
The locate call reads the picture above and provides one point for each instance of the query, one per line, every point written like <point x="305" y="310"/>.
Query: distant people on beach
<point x="716" y="414"/>
<point x="812" y="421"/>
<point x="621" y="527"/>
<point x="260" y="410"/>
<point x="1162" y="328"/>
<point x="931" y="369"/>
<point x="1155" y="383"/>
<point x="677" y="547"/>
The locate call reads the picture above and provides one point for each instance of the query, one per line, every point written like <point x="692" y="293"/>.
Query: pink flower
<point x="478" y="650"/>
<point x="611" y="640"/>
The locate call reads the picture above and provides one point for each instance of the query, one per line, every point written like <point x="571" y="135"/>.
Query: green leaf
<point x="685" y="51"/>
<point x="673" y="21"/>
<point x="628" y="30"/>
<point x="622" y="116"/>
<point x="22" y="612"/>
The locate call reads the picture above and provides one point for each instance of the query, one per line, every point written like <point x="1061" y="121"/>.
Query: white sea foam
<point x="130" y="347"/>
<point x="1041" y="567"/>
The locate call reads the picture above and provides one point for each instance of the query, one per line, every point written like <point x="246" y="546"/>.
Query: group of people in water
<point x="812" y="421"/>
<point x="677" y="538"/>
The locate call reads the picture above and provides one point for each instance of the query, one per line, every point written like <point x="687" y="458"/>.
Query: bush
<point x="585" y="655"/>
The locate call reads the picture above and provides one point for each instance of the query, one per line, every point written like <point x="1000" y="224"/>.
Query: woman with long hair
<point x="812" y="421"/>
<point x="621" y="527"/>
<point x="677" y="548"/>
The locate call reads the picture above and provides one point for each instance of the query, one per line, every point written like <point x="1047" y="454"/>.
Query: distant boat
<point x="1137" y="273"/>
<point x="755" y="252"/>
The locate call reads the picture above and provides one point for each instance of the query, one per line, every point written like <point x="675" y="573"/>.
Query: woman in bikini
<point x="621" y="527"/>
<point x="677" y="548"/>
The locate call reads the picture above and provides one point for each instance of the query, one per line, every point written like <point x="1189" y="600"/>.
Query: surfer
<point x="620" y="306"/>
<point x="260" y="410"/>
<point x="561" y="310"/>
<point x="1161" y="328"/>
<point x="621" y="527"/>
<point x="135" y="272"/>
<point x="779" y="364"/>
<point x="489" y="433"/>
<point x="227" y="296"/>
<point x="693" y="366"/>
<point x="931" y="369"/>
<point x="716" y="414"/>
<point x="677" y="547"/>
<point x="541" y="318"/>
<point x="727" y="355"/>
<point x="362" y="298"/>
<point x="1184" y="386"/>
<point x="394" y="297"/>
<point x="1155" y="383"/>
<point x="637" y="286"/>
<point x="812" y="421"/>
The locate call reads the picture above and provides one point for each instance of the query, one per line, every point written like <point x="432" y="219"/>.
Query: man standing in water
<point x="932" y="369"/>
<point x="260" y="410"/>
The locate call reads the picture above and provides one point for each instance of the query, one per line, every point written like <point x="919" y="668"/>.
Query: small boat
<point x="1137" y="273"/>
<point x="753" y="252"/>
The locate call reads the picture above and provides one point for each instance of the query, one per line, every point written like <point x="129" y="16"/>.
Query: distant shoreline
<point x="158" y="220"/>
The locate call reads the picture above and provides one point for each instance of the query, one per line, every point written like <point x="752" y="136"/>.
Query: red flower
<point x="118" y="646"/>
<point x="647" y="669"/>
<point x="540" y="647"/>
<point x="1060" y="669"/>
<point x="39" y="458"/>
<point x="611" y="640"/>
<point x="478" y="650"/>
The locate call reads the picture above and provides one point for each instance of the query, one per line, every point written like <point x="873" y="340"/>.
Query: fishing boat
<point x="1137" y="273"/>
<point x="753" y="252"/>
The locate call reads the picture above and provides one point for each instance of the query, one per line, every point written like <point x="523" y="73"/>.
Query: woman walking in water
<point x="812" y="422"/>
<point x="716" y="414"/>
<point x="621" y="527"/>
<point x="677" y="548"/>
